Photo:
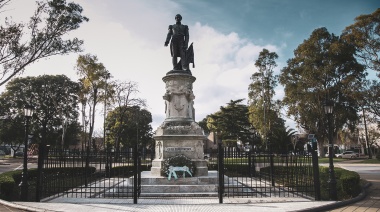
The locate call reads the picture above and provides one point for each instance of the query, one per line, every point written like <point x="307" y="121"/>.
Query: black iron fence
<point x="92" y="174"/>
<point x="262" y="174"/>
<point x="109" y="174"/>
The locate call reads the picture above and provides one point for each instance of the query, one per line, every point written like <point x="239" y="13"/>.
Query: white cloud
<point x="128" y="38"/>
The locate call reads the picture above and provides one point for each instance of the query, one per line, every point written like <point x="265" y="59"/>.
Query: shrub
<point x="9" y="181"/>
<point x="348" y="183"/>
<point x="378" y="155"/>
<point x="126" y="171"/>
<point x="7" y="185"/>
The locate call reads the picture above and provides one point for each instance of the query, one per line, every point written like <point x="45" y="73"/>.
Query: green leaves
<point x="55" y="99"/>
<point x="231" y="122"/>
<point x="323" y="67"/>
<point x="129" y="124"/>
<point x="263" y="109"/>
<point x="364" y="35"/>
<point x="50" y="22"/>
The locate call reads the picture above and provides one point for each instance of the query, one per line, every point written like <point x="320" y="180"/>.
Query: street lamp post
<point x="332" y="181"/>
<point x="28" y="112"/>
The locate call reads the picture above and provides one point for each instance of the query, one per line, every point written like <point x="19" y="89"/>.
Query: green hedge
<point x="348" y="183"/>
<point x="126" y="171"/>
<point x="7" y="186"/>
<point x="9" y="181"/>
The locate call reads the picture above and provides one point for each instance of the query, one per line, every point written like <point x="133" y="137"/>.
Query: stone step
<point x="148" y="179"/>
<point x="178" y="188"/>
<point x="169" y="189"/>
<point x="179" y="181"/>
<point x="162" y="195"/>
<point x="194" y="194"/>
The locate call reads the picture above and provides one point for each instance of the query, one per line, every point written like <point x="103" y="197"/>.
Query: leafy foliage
<point x="123" y="96"/>
<point x="323" y="68"/>
<point x="264" y="111"/>
<point x="12" y="127"/>
<point x="93" y="81"/>
<point x="55" y="99"/>
<point x="50" y="23"/>
<point x="134" y="125"/>
<point x="231" y="122"/>
<point x="370" y="97"/>
<point x="348" y="183"/>
<point x="364" y="34"/>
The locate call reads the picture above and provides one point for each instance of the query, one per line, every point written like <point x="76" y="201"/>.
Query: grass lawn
<point x="370" y="161"/>
<point x="364" y="160"/>
<point x="326" y="160"/>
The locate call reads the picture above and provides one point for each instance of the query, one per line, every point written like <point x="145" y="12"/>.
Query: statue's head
<point x="178" y="17"/>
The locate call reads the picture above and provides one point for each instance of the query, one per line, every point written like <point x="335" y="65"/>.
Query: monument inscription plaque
<point x="179" y="149"/>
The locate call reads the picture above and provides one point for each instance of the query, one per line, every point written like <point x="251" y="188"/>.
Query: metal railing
<point x="92" y="174"/>
<point x="106" y="174"/>
<point x="261" y="174"/>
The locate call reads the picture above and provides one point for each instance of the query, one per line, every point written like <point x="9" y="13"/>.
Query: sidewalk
<point x="370" y="203"/>
<point x="188" y="204"/>
<point x="372" y="200"/>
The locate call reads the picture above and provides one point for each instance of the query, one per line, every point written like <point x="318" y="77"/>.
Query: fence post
<point x="250" y="163"/>
<point x="271" y="164"/>
<point x="40" y="165"/>
<point x="220" y="170"/>
<point x="135" y="173"/>
<point x="87" y="165"/>
<point x="317" y="187"/>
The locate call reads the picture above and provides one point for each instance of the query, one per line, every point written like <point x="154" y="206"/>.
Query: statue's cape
<point x="190" y="55"/>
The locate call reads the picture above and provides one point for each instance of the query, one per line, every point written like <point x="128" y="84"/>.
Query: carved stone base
<point x="170" y="146"/>
<point x="179" y="134"/>
<point x="179" y="138"/>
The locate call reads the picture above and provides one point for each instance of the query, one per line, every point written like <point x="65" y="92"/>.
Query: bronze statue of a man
<point x="179" y="36"/>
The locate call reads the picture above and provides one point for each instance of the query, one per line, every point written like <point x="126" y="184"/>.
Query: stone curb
<point x="331" y="206"/>
<point x="21" y="207"/>
<point x="338" y="204"/>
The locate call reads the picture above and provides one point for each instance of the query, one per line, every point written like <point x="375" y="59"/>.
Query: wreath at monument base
<point x="178" y="161"/>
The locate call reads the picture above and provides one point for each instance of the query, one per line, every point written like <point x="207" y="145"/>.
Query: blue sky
<point x="128" y="38"/>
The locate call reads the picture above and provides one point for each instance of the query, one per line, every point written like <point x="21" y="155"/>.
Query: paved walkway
<point x="371" y="202"/>
<point x="189" y="204"/>
<point x="6" y="208"/>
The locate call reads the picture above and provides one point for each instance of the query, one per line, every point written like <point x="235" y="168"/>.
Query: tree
<point x="50" y="23"/>
<point x="12" y="129"/>
<point x="373" y="138"/>
<point x="93" y="81"/>
<point x="263" y="109"/>
<point x="123" y="98"/>
<point x="203" y="125"/>
<point x="370" y="97"/>
<point x="135" y="126"/>
<point x="364" y="34"/>
<point x="322" y="69"/>
<point x="55" y="99"/>
<point x="231" y="122"/>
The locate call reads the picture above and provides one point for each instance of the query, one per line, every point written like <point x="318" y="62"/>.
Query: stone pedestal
<point x="179" y="134"/>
